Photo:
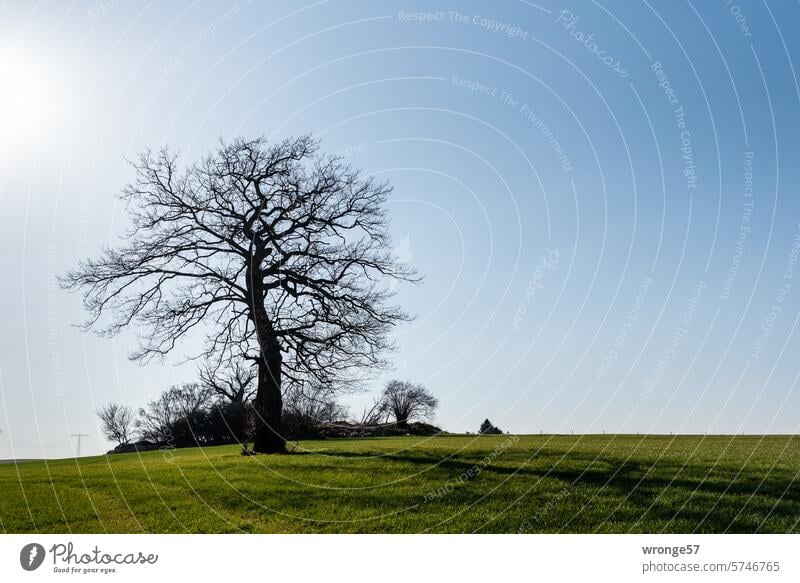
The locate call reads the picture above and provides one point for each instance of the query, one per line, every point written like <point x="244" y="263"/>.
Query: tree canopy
<point x="281" y="254"/>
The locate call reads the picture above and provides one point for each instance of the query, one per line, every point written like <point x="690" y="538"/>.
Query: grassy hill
<point x="421" y="484"/>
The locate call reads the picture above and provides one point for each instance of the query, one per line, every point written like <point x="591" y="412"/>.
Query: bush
<point x="188" y="415"/>
<point x="487" y="428"/>
<point x="350" y="430"/>
<point x="225" y="422"/>
<point x="307" y="409"/>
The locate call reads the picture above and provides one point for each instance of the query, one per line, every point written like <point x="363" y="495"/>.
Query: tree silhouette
<point x="488" y="428"/>
<point x="278" y="252"/>
<point x="176" y="415"/>
<point x="407" y="401"/>
<point x="117" y="422"/>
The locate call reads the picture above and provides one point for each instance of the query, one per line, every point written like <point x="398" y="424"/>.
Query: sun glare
<point x="25" y="99"/>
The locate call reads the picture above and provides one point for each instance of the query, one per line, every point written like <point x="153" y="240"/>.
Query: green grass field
<point x="413" y="484"/>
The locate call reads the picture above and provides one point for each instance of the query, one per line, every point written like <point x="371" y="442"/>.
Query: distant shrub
<point x="307" y="408"/>
<point x="487" y="428"/>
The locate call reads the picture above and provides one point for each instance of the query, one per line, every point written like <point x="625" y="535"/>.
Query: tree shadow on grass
<point x="680" y="496"/>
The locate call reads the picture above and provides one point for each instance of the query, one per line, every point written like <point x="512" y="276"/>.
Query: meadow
<point x="453" y="484"/>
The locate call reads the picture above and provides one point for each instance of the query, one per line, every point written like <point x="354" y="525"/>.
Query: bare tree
<point x="235" y="383"/>
<point x="407" y="401"/>
<point x="117" y="422"/>
<point x="170" y="417"/>
<point x="308" y="407"/>
<point x="157" y="420"/>
<point x="375" y="413"/>
<point x="278" y="251"/>
<point x="189" y="398"/>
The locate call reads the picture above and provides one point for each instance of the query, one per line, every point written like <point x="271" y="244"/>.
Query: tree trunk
<point x="268" y="403"/>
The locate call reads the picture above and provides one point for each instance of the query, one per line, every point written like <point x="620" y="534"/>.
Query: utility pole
<point x="78" y="448"/>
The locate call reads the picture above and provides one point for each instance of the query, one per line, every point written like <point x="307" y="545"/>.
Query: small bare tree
<point x="306" y="408"/>
<point x="407" y="401"/>
<point x="375" y="413"/>
<point x="117" y="422"/>
<point x="190" y="398"/>
<point x="171" y="415"/>
<point x="280" y="253"/>
<point x="156" y="421"/>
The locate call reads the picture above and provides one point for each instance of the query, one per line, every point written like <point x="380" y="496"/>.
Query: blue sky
<point x="601" y="195"/>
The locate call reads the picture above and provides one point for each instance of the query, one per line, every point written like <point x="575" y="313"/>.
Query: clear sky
<point x="602" y="196"/>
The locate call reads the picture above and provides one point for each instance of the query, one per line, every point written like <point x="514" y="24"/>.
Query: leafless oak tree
<point x="276" y="253"/>
<point x="117" y="422"/>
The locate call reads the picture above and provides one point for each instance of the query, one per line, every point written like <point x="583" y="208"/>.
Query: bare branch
<point x="278" y="256"/>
